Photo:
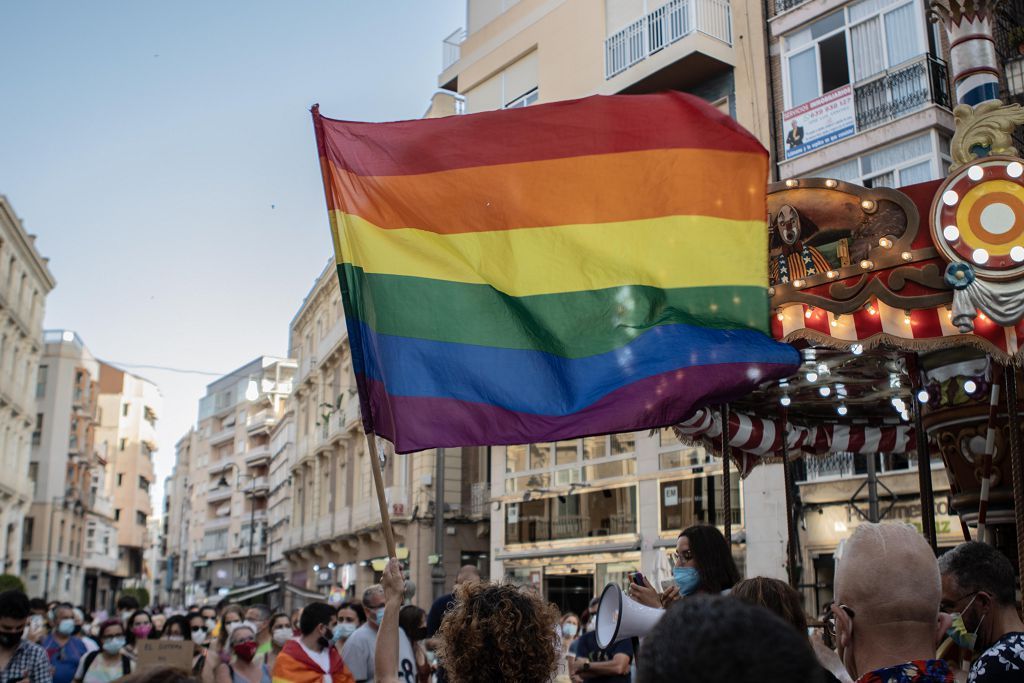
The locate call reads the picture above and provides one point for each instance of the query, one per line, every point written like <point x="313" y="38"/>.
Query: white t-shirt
<point x="321" y="659"/>
<point x="359" y="650"/>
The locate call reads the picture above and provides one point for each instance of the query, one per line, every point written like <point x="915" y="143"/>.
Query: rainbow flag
<point x="557" y="271"/>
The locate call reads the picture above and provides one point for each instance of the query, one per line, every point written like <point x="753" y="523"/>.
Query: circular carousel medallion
<point x="978" y="217"/>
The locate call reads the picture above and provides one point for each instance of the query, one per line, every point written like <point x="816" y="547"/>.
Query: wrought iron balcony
<point x="783" y="5"/>
<point x="900" y="91"/>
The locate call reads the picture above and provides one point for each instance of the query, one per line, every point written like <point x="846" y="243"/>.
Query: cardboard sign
<point x="160" y="653"/>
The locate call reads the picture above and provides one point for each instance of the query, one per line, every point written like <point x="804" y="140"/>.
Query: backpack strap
<point x="126" y="664"/>
<point x="90" y="657"/>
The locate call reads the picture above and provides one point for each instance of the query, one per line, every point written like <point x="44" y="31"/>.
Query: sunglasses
<point x="198" y="628"/>
<point x="829" y="625"/>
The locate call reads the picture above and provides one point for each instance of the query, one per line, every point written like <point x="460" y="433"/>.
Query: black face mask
<point x="9" y="640"/>
<point x="323" y="642"/>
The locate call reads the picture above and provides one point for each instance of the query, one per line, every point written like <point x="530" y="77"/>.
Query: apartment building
<point x="571" y="516"/>
<point x="25" y="280"/>
<point x="333" y="541"/>
<point x="282" y="457"/>
<point x="126" y="433"/>
<point x="101" y="552"/>
<point x="61" y="468"/>
<point x="220" y="488"/>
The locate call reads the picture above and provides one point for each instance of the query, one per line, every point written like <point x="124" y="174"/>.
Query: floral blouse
<point x="919" y="671"/>
<point x="1004" y="661"/>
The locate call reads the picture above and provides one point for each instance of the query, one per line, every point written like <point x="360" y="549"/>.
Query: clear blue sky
<point x="163" y="153"/>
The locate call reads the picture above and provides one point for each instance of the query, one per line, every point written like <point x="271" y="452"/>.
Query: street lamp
<point x="252" y="515"/>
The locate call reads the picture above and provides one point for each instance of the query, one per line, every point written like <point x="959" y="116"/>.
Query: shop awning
<point x="303" y="593"/>
<point x="576" y="550"/>
<point x="241" y="594"/>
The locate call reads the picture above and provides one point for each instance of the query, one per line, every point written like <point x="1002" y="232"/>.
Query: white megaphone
<point x="619" y="617"/>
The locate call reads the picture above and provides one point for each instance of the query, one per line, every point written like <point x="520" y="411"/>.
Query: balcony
<point x="258" y="487"/>
<point x="263" y="421"/>
<point x="786" y="5"/>
<point x="664" y="26"/>
<point x="223" y="436"/>
<point x="901" y="90"/>
<point x="451" y="48"/>
<point x="218" y="466"/>
<point x="259" y="455"/>
<point x="479" y="499"/>
<point x="218" y="494"/>
<point x="351" y="415"/>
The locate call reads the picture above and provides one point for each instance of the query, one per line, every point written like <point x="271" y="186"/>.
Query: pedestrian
<point x="715" y="639"/>
<point x="109" y="663"/>
<point x="209" y="614"/>
<point x="80" y="630"/>
<point x="350" y="617"/>
<point x="200" y="640"/>
<point x="20" y="660"/>
<point x="218" y="653"/>
<point x="310" y="658"/>
<point x="175" y="628"/>
<point x="243" y="668"/>
<point x="885" y="620"/>
<point x="359" y="649"/>
<point x="259" y="616"/>
<point x="784" y="601"/>
<point x="468" y="573"/>
<point x="63" y="648"/>
<point x="702" y="564"/>
<point x="159" y="619"/>
<point x="498" y="633"/>
<point x="127" y="605"/>
<point x="413" y="622"/>
<point x="978" y="590"/>
<point x="568" y="633"/>
<point x="610" y="665"/>
<point x="280" y="633"/>
<point x="139" y="627"/>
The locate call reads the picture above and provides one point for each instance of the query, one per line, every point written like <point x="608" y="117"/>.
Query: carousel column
<point x="972" y="51"/>
<point x="791" y="549"/>
<point x="924" y="460"/>
<point x="1016" y="461"/>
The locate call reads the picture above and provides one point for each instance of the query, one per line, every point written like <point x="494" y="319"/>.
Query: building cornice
<point x="27" y="246"/>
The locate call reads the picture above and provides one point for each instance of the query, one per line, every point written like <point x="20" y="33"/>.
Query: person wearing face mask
<point x="63" y="648"/>
<point x="259" y="616"/>
<point x="413" y="622"/>
<point x="978" y="590"/>
<point x="109" y="663"/>
<point x="127" y="605"/>
<point x="280" y="633"/>
<point x="703" y="564"/>
<point x="310" y="658"/>
<point x="198" y="635"/>
<point x="20" y="660"/>
<point x="885" y="621"/>
<point x="242" y="668"/>
<point x="350" y="617"/>
<point x="568" y="632"/>
<point x="219" y="652"/>
<point x="140" y="627"/>
<point x="359" y="648"/>
<point x="611" y="664"/>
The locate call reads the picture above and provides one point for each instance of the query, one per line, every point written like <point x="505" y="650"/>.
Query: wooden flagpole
<point x="378" y="484"/>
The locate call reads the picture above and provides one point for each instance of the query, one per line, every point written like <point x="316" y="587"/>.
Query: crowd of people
<point x="899" y="616"/>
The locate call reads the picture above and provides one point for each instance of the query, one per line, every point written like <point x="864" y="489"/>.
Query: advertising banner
<point x="820" y="122"/>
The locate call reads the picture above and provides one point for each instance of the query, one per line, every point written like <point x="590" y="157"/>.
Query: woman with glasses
<point x="200" y="638"/>
<point x="702" y="564"/>
<point x="109" y="663"/>
<point x="242" y="669"/>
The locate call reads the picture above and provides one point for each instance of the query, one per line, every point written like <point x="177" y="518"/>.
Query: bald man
<point x="468" y="573"/>
<point x="886" y="611"/>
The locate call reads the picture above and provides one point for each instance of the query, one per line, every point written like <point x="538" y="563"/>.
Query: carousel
<point x="908" y="307"/>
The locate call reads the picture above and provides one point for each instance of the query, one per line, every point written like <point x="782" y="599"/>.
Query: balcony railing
<point x="479" y="498"/>
<point x="783" y="5"/>
<point x="900" y="91"/>
<point x="657" y="30"/>
<point x="451" y="48"/>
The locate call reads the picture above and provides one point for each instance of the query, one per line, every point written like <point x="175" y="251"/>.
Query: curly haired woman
<point x="495" y="632"/>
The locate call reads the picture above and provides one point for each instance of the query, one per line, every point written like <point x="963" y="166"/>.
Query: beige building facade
<point x="126" y="433"/>
<point x="64" y="457"/>
<point x="25" y="280"/>
<point x="333" y="542"/>
<point x="218" y="494"/>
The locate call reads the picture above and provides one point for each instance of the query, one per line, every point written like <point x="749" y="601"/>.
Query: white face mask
<point x="592" y="624"/>
<point x="199" y="637"/>
<point x="282" y="636"/>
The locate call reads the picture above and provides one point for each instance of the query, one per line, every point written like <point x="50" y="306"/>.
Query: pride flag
<point x="551" y="272"/>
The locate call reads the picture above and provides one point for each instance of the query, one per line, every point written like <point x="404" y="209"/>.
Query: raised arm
<point x="386" y="655"/>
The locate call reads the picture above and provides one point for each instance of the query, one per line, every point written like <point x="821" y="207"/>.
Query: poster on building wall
<point x="820" y="122"/>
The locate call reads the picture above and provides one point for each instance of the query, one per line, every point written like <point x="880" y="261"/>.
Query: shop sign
<point x="671" y="496"/>
<point x="820" y="122"/>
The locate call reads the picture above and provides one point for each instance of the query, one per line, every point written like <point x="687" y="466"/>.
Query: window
<point x="120" y="478"/>
<point x="915" y="160"/>
<point x="140" y="518"/>
<point x="608" y="512"/>
<point x="27" y="529"/>
<point x="37" y="433"/>
<point x="41" y="376"/>
<point x="143" y="484"/>
<point x="524" y="100"/>
<point x="117" y="514"/>
<point x="696" y="500"/>
<point x="581" y="460"/>
<point x="122" y="444"/>
<point x="33" y="474"/>
<point x="851" y="45"/>
<point x="124" y="410"/>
